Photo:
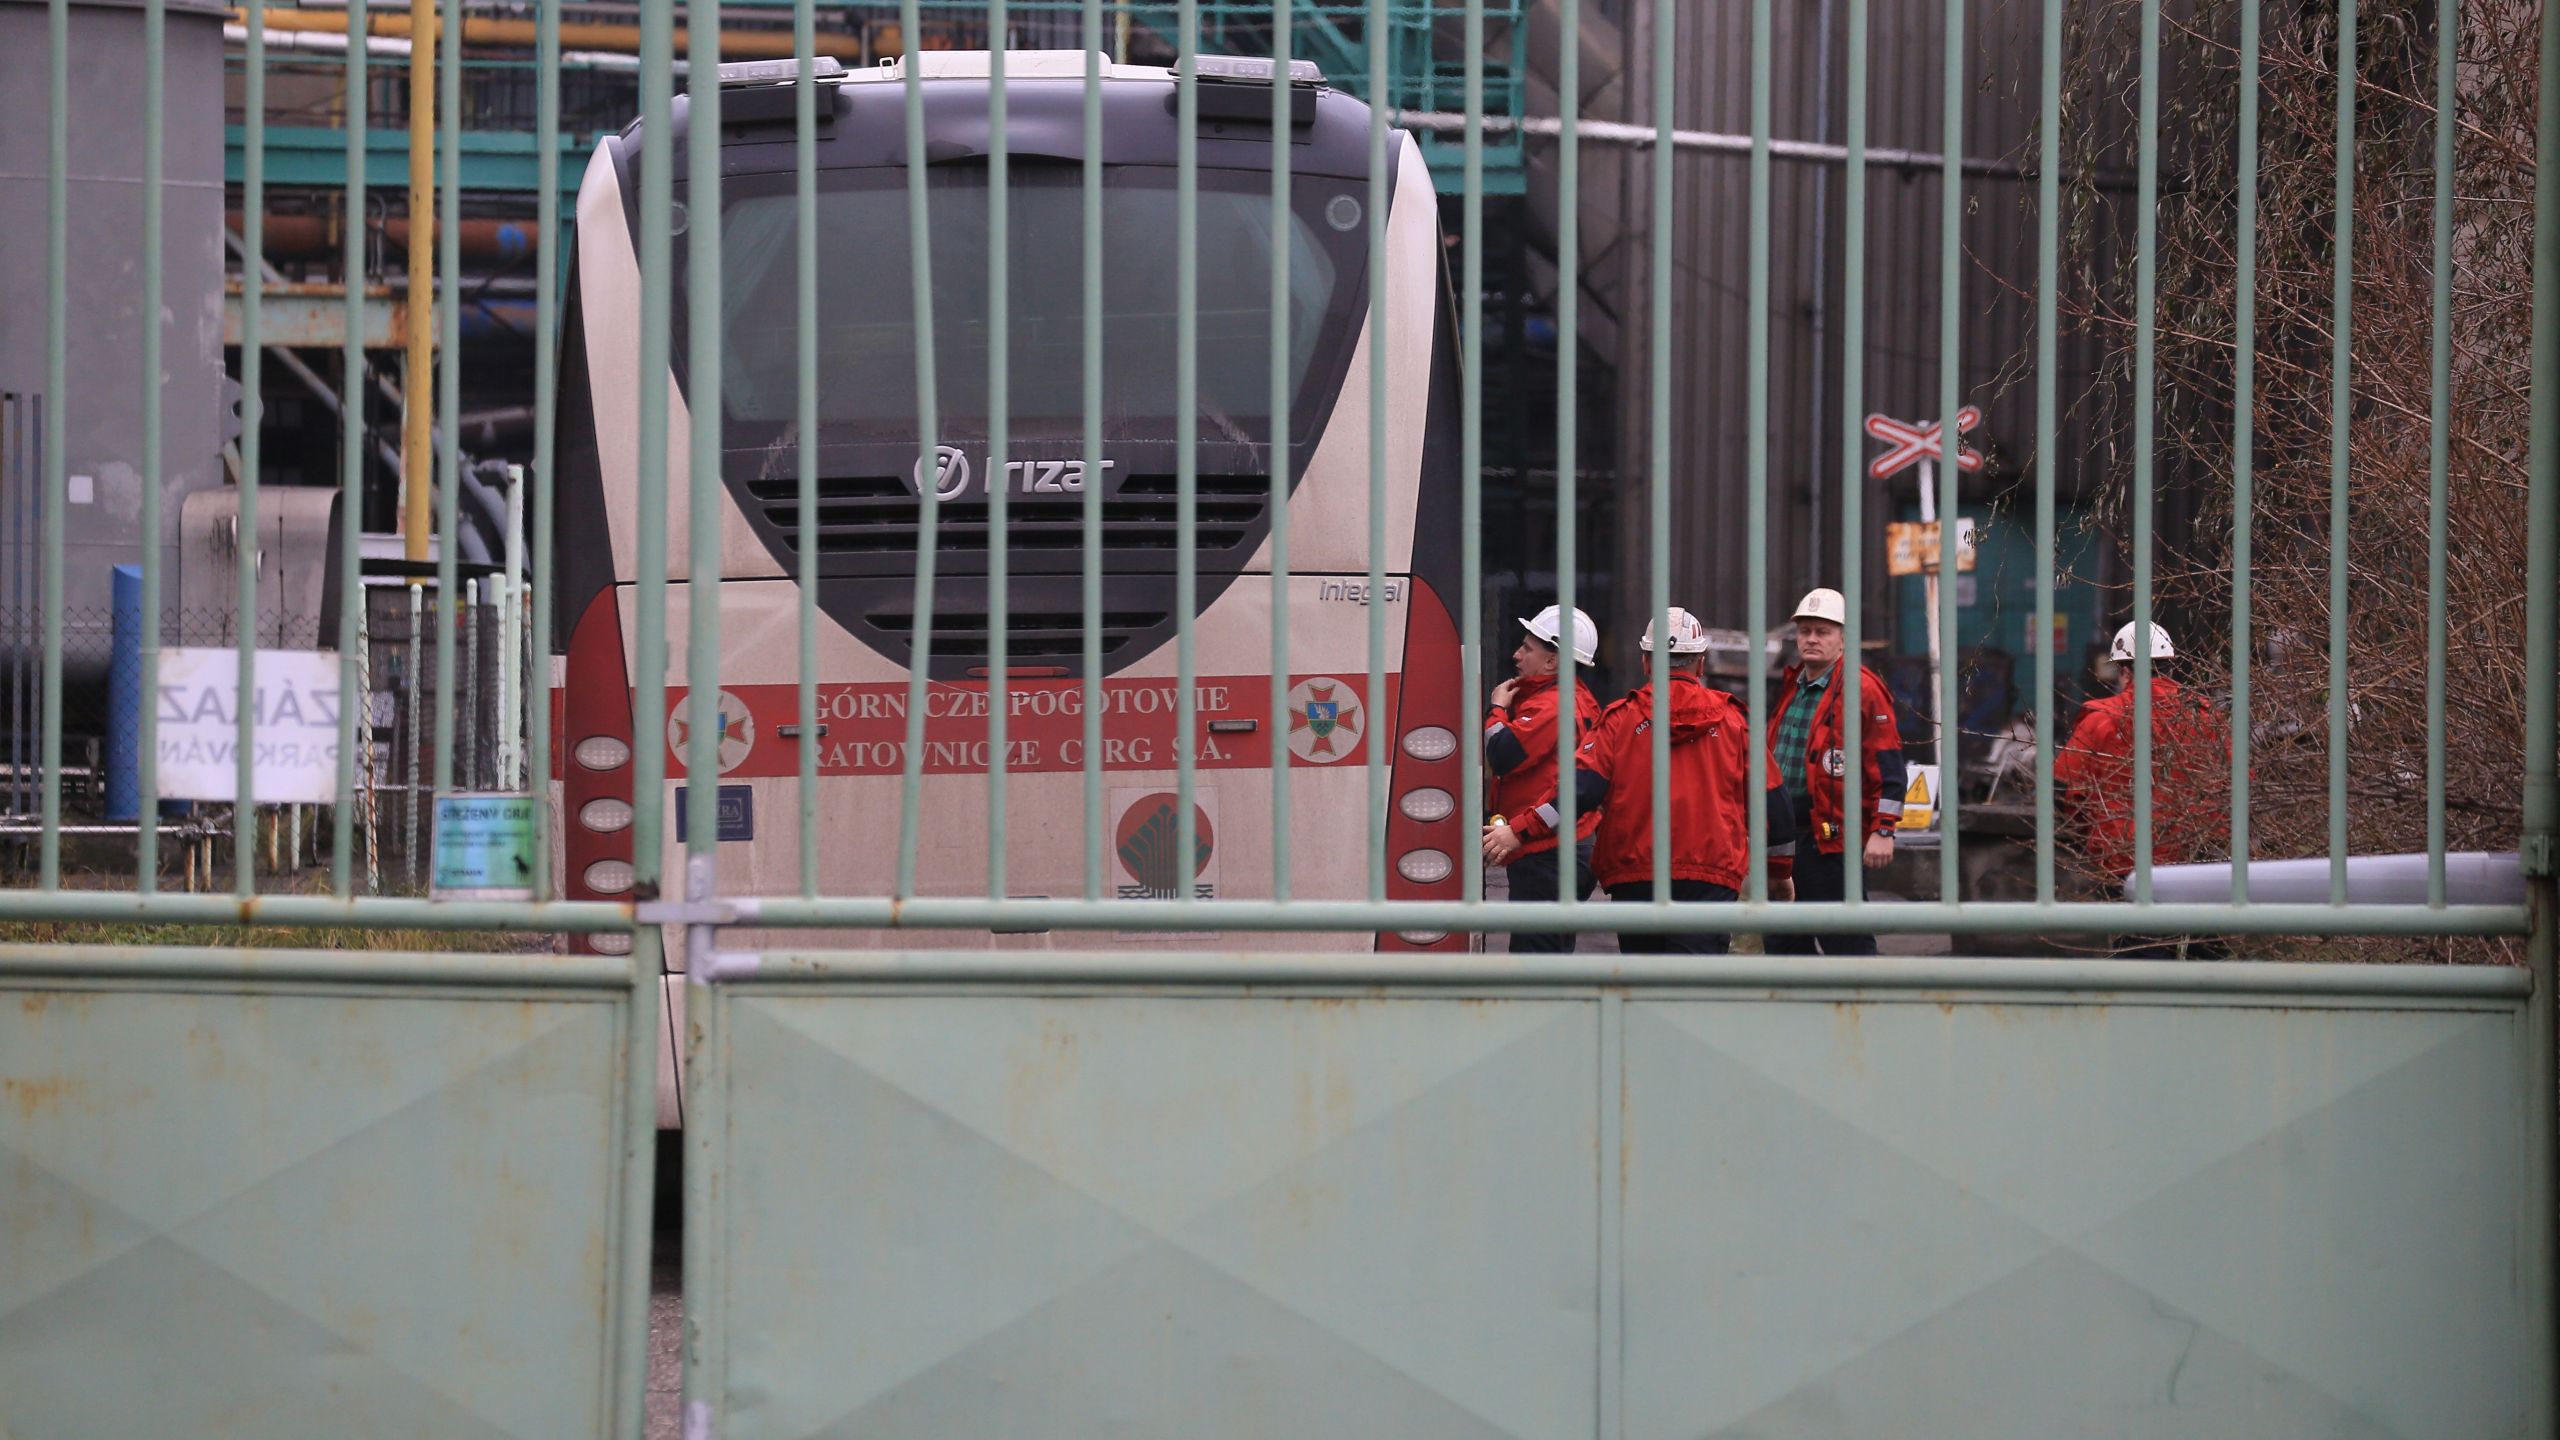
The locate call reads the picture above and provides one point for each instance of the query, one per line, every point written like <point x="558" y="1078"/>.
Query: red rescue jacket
<point x="1710" y="815"/>
<point x="1524" y="763"/>
<point x="2190" y="779"/>
<point x="1883" y="775"/>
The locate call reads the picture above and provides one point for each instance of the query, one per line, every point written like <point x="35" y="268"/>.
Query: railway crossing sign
<point x="1913" y="444"/>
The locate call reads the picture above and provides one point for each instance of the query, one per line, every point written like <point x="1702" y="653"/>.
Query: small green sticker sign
<point x="483" y="847"/>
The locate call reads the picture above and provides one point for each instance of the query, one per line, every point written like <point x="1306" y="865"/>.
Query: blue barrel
<point x="124" y="698"/>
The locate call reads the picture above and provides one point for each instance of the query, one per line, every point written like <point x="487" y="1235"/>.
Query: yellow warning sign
<point x="1911" y="546"/>
<point x="1920" y="799"/>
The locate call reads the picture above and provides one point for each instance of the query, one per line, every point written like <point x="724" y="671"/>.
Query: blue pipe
<point x="124" y="697"/>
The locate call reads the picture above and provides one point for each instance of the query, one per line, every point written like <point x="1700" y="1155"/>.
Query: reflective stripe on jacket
<point x="1520" y="749"/>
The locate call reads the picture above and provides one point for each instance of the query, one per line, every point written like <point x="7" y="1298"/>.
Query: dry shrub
<point x="2389" y="431"/>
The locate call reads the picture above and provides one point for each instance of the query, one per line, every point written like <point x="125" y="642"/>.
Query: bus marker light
<point x="603" y="752"/>
<point x="1424" y="867"/>
<point x="1428" y="804"/>
<point x="606" y="814"/>
<point x="612" y="877"/>
<point x="1431" y="742"/>
<point x="1422" y="937"/>
<point x="610" y="942"/>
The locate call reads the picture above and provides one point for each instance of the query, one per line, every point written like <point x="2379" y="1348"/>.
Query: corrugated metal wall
<point x="1900" y="361"/>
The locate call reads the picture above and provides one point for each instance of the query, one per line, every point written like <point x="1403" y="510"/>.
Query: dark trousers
<point x="1694" y="943"/>
<point x="1821" y="877"/>
<point x="1539" y="878"/>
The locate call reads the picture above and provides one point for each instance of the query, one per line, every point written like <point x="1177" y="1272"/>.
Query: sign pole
<point x="1929" y="571"/>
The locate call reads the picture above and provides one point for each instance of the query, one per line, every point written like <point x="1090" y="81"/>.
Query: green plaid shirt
<point x="1795" y="732"/>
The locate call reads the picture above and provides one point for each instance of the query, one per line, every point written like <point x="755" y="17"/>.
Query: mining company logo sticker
<point x="1148" y="845"/>
<point x="1324" y="720"/>
<point x="737" y="730"/>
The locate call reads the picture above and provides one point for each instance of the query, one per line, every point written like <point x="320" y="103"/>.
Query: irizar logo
<point x="952" y="474"/>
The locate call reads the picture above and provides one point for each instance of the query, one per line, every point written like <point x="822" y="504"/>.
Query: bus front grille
<point x="879" y="516"/>
<point x="1030" y="636"/>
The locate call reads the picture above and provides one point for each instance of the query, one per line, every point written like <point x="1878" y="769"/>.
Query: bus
<point x="871" y="485"/>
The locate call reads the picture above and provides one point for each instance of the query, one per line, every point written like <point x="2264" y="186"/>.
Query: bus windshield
<point x="866" y="340"/>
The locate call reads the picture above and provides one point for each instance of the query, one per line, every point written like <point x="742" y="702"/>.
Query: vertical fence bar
<point x="416" y="737"/>
<point x="1951" y="446"/>
<point x="354" y="686"/>
<point x="1186" y="436"/>
<point x="466" y="736"/>
<point x="1658" y="445"/>
<point x="1470" y="458"/>
<point x="155" y="124"/>
<point x="2244" y="430"/>
<point x="1755" y="465"/>
<point x="1093" y="471"/>
<point x="1379" y="195"/>
<point x="1568" y="405"/>
<point x="649" y="601"/>
<point x="546" y="430"/>
<point x="2542" y="495"/>
<point x="928" y="431"/>
<point x="2146" y="290"/>
<point x="2341" y="401"/>
<point x="804" y="170"/>
<point x="1381" y="26"/>
<point x="448" y="403"/>
<point x="2048" y="444"/>
<point x="999" y="437"/>
<point x="1281" y="455"/>
<point x="2541" y="837"/>
<point x="705" y="413"/>
<point x="2440" y="437"/>
<point x="253" y="354"/>
<point x="1853" y="477"/>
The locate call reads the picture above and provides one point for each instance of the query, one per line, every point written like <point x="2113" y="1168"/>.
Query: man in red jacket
<point x="1807" y="744"/>
<point x="2190" y="766"/>
<point x="1520" y="737"/>
<point x="1710" y="758"/>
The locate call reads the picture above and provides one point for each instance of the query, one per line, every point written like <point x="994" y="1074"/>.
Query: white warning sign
<point x="293" y="714"/>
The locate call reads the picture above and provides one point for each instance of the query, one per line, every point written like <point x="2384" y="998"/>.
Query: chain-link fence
<point x="394" y="763"/>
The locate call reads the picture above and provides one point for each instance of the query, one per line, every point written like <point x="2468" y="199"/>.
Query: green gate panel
<point x="1723" y="1198"/>
<point x="314" y="1210"/>
<point x="1158" y="1216"/>
<point x="2074" y="1218"/>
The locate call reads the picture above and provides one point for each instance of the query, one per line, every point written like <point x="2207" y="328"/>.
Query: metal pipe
<point x="252" y="968"/>
<point x="584" y="917"/>
<point x="1615" y="132"/>
<point x="326" y="42"/>
<point x="620" y="39"/>
<point x="417" y="379"/>
<point x="1919" y="980"/>
<point x="1918" y="917"/>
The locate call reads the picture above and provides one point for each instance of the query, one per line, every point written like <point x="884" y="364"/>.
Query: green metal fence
<point x="298" y="1192"/>
<point x="657" y="907"/>
<point x="910" y="906"/>
<point x="1167" y="1194"/>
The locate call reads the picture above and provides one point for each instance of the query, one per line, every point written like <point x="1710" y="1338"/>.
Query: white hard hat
<point x="2161" y="649"/>
<point x="1548" y="624"/>
<point x="1688" y="637"/>
<point x="1823" y="604"/>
